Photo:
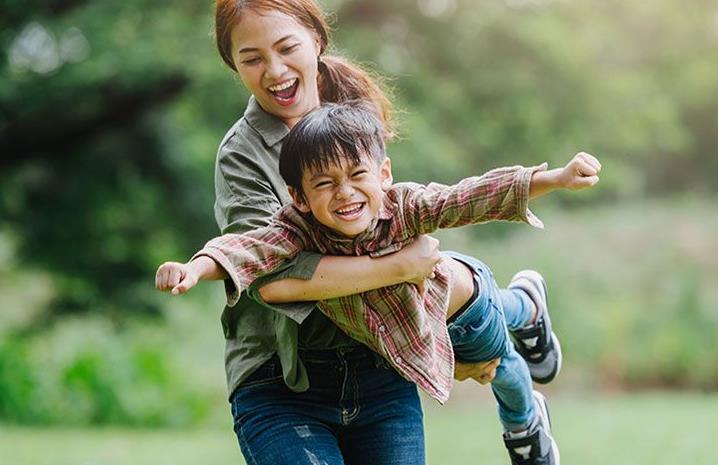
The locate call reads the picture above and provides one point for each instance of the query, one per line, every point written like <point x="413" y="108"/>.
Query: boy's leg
<point x="480" y="333"/>
<point x="519" y="310"/>
<point x="525" y="306"/>
<point x="513" y="391"/>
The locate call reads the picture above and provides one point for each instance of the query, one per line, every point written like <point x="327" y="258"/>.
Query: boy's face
<point x="346" y="197"/>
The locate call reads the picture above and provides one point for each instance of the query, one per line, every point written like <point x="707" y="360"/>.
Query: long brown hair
<point x="339" y="79"/>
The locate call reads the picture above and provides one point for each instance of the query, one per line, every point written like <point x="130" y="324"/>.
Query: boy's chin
<point x="351" y="232"/>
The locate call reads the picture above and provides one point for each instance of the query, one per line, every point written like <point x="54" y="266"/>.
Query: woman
<point x="301" y="390"/>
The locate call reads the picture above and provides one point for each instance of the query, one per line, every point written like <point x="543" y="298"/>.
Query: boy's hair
<point x="331" y="134"/>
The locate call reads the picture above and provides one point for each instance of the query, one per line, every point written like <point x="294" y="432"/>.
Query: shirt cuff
<point x="523" y="192"/>
<point x="232" y="285"/>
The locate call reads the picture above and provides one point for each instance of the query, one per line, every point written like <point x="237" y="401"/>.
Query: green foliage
<point x="83" y="372"/>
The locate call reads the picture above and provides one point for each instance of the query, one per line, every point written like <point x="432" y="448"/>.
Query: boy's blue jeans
<point x="480" y="333"/>
<point x="357" y="411"/>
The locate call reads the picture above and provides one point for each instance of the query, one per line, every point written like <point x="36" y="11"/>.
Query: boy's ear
<point x="385" y="174"/>
<point x="298" y="200"/>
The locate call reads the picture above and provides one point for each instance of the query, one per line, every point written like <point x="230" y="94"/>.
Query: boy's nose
<point x="344" y="191"/>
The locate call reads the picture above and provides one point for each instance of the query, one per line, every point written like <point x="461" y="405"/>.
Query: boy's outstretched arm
<point x="579" y="173"/>
<point x="179" y="278"/>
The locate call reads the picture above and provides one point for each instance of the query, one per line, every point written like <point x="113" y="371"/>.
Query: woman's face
<point x="276" y="58"/>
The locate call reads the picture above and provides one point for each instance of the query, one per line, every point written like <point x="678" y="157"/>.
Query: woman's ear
<point x="385" y="174"/>
<point x="298" y="200"/>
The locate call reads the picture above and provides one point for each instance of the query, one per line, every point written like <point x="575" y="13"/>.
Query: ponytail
<point x="340" y="80"/>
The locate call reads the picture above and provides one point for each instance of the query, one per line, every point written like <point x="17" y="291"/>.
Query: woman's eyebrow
<point x="255" y="49"/>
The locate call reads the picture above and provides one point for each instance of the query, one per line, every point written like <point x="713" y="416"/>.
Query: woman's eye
<point x="290" y="48"/>
<point x="251" y="61"/>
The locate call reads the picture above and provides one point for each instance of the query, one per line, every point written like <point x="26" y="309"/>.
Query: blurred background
<point x="110" y="116"/>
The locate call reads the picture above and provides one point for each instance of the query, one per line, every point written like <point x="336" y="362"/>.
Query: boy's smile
<point x="345" y="198"/>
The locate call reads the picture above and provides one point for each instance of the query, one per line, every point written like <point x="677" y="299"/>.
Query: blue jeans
<point x="357" y="410"/>
<point x="480" y="333"/>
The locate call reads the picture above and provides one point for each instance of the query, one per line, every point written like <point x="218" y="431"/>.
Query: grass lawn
<point x="654" y="429"/>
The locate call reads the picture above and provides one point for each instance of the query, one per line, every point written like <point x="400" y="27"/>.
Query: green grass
<point x="654" y="429"/>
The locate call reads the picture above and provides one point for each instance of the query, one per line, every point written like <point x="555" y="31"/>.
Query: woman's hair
<point x="332" y="134"/>
<point x="339" y="79"/>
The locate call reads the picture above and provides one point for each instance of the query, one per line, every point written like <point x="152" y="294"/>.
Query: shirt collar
<point x="385" y="211"/>
<point x="271" y="128"/>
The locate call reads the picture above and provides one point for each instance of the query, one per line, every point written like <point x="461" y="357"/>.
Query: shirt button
<point x="398" y="360"/>
<point x="382" y="328"/>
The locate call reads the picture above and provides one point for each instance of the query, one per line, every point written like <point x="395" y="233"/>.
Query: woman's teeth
<point x="285" y="90"/>
<point x="282" y="86"/>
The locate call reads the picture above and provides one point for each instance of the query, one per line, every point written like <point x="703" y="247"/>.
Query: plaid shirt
<point x="407" y="329"/>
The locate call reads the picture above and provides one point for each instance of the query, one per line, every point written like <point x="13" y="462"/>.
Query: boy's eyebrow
<point x="316" y="175"/>
<point x="254" y="49"/>
<point x="324" y="174"/>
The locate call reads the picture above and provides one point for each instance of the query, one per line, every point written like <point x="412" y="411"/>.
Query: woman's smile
<point x="286" y="92"/>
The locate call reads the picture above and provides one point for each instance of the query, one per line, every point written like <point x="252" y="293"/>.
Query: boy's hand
<point x="419" y="259"/>
<point x="175" y="277"/>
<point x="579" y="173"/>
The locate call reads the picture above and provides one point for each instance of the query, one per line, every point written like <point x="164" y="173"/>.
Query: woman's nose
<point x="275" y="68"/>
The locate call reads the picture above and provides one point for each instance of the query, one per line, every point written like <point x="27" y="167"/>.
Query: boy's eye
<point x="358" y="173"/>
<point x="321" y="184"/>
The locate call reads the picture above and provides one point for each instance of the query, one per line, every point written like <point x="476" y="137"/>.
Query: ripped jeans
<point x="357" y="411"/>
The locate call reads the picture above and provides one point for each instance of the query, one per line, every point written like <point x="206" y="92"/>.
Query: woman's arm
<point x="340" y="276"/>
<point x="247" y="192"/>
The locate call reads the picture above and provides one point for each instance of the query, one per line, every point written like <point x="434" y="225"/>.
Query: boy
<point x="335" y="165"/>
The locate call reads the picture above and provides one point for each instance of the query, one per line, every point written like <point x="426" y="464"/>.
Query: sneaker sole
<point x="543" y="405"/>
<point x="559" y="361"/>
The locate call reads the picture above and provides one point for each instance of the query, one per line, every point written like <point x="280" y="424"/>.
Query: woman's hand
<point x="419" y="259"/>
<point x="482" y="372"/>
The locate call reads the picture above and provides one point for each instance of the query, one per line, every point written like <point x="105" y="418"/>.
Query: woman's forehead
<point x="265" y="28"/>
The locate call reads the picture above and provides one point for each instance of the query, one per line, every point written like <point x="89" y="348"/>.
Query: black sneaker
<point x="536" y="446"/>
<point x="537" y="343"/>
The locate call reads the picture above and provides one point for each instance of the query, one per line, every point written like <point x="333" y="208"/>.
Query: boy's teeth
<point x="282" y="86"/>
<point x="349" y="209"/>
